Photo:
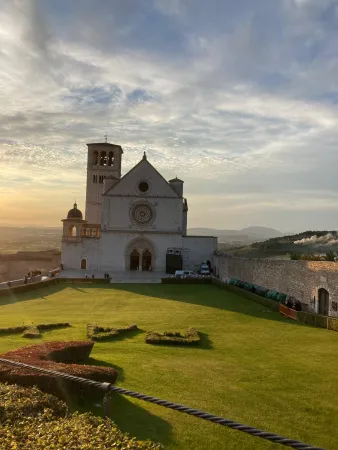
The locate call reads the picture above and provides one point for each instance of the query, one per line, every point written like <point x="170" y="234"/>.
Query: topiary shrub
<point x="59" y="356"/>
<point x="31" y="333"/>
<point x="97" y="333"/>
<point x="31" y="420"/>
<point x="190" y="337"/>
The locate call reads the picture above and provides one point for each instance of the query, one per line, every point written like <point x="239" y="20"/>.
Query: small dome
<point x="74" y="213"/>
<point x="176" y="180"/>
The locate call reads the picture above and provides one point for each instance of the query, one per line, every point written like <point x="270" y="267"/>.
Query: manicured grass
<point x="252" y="366"/>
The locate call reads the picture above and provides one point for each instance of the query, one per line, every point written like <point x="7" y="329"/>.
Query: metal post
<point x="106" y="404"/>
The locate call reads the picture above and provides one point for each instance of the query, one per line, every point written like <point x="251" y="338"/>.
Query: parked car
<point x="184" y="273"/>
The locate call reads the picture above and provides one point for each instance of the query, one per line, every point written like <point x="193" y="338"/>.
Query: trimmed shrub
<point x="59" y="356"/>
<point x="13" y="330"/>
<point x="40" y="327"/>
<point x="97" y="333"/>
<point x="31" y="420"/>
<point x="190" y="337"/>
<point x="52" y="326"/>
<point x="32" y="332"/>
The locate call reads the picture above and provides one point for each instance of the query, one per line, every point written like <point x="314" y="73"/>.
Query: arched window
<point x="83" y="264"/>
<point x="95" y="158"/>
<point x="110" y="159"/>
<point x="103" y="159"/>
<point x="72" y="231"/>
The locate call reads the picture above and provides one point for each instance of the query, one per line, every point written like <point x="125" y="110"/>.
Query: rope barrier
<point x="108" y="388"/>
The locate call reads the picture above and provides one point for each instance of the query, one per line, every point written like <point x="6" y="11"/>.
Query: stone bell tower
<point x="103" y="160"/>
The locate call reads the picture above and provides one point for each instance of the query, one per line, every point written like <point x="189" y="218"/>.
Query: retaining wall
<point x="301" y="279"/>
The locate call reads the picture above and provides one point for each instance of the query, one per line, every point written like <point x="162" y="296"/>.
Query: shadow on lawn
<point x="137" y="421"/>
<point x="206" y="295"/>
<point x="99" y="362"/>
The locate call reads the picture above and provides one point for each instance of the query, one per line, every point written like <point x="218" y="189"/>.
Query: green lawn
<point x="253" y="366"/>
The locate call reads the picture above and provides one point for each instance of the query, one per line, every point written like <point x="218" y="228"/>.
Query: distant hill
<point x="246" y="235"/>
<point x="307" y="242"/>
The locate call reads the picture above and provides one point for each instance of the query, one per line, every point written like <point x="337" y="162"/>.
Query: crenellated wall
<point x="301" y="279"/>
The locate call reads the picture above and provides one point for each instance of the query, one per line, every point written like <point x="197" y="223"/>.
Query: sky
<point x="239" y="98"/>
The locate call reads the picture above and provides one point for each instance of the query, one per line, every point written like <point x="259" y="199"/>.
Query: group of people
<point x="106" y="276"/>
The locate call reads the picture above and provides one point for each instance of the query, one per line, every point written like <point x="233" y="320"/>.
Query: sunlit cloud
<point x="236" y="98"/>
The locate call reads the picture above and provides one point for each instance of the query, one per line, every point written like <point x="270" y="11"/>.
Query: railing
<point x="108" y="388"/>
<point x="19" y="282"/>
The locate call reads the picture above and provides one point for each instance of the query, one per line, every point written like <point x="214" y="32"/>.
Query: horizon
<point x="238" y="99"/>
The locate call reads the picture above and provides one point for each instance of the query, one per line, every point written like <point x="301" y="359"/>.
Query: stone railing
<point x="19" y="282"/>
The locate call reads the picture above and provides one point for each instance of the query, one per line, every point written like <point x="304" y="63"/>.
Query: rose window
<point x="142" y="214"/>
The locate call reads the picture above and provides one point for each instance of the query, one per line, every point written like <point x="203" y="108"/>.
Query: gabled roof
<point x="144" y="160"/>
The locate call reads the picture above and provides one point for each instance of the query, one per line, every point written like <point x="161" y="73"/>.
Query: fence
<point x="108" y="388"/>
<point x="316" y="320"/>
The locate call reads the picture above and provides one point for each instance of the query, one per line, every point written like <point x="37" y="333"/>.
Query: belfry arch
<point x="140" y="255"/>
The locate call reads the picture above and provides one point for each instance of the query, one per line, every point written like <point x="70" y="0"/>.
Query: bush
<point x="187" y="280"/>
<point x="97" y="333"/>
<point x="31" y="420"/>
<point x="32" y="332"/>
<point x="59" y="356"/>
<point x="190" y="337"/>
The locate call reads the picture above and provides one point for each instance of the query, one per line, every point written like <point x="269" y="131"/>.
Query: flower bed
<point x="59" y="356"/>
<point x="32" y="420"/>
<point x="97" y="333"/>
<point x="190" y="337"/>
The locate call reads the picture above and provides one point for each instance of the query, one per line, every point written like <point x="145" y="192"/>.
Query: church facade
<point x="135" y="222"/>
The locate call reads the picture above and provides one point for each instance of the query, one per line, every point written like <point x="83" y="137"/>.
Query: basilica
<point x="135" y="222"/>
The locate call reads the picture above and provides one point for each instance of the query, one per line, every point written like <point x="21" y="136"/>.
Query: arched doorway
<point x="134" y="260"/>
<point x="323" y="302"/>
<point x="83" y="264"/>
<point x="140" y="254"/>
<point x="146" y="260"/>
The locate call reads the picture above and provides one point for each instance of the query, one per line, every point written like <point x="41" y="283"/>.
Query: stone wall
<point x="301" y="279"/>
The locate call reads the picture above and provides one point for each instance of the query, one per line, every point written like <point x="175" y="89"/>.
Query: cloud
<point x="236" y="97"/>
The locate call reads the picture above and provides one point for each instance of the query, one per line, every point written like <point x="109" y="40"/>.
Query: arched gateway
<point x="140" y="255"/>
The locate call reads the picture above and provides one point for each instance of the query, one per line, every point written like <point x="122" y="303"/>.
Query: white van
<point x="204" y="269"/>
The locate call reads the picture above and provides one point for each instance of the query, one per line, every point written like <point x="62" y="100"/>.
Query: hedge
<point x="32" y="420"/>
<point x="97" y="333"/>
<point x="40" y="327"/>
<point x="193" y="280"/>
<point x="190" y="337"/>
<point x="60" y="356"/>
<point x="32" y="332"/>
<point x="259" y="290"/>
